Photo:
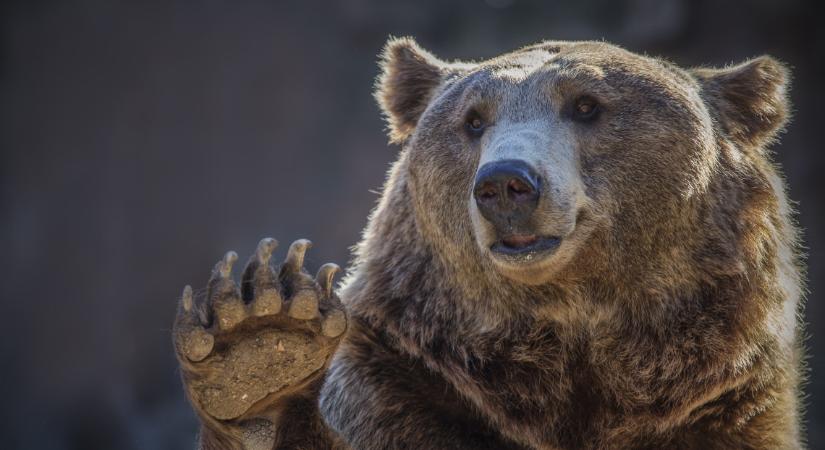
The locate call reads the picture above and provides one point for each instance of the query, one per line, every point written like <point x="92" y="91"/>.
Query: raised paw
<point x="241" y="346"/>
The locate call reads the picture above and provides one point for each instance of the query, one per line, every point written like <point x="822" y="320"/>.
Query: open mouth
<point x="525" y="247"/>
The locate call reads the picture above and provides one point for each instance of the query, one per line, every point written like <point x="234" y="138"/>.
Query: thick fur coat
<point x="666" y="317"/>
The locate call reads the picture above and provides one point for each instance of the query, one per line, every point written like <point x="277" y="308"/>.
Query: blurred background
<point x="141" y="140"/>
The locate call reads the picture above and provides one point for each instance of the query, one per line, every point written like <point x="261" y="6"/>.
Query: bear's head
<point x="562" y="157"/>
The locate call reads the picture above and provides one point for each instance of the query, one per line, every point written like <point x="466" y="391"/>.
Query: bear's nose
<point x="507" y="192"/>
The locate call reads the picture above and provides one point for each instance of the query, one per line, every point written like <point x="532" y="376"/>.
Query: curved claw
<point x="192" y="340"/>
<point x="224" y="306"/>
<point x="224" y="266"/>
<point x="186" y="298"/>
<point x="265" y="249"/>
<point x="325" y="276"/>
<point x="295" y="257"/>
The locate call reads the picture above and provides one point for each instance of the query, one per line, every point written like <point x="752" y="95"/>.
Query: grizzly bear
<point x="578" y="247"/>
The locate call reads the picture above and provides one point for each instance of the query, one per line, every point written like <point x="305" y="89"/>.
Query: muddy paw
<point x="243" y="346"/>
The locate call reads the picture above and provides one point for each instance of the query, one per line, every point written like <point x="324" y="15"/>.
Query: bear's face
<point x="521" y="159"/>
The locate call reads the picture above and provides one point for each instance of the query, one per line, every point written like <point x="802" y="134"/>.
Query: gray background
<point x="139" y="141"/>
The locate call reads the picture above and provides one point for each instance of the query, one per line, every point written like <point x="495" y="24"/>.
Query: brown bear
<point x="578" y="247"/>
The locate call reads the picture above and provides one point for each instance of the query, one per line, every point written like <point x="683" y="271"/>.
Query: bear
<point x="578" y="247"/>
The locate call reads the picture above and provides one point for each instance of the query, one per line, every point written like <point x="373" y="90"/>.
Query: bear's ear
<point x="409" y="76"/>
<point x="750" y="98"/>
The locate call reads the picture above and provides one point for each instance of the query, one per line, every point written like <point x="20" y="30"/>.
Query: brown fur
<point x="673" y="323"/>
<point x="405" y="86"/>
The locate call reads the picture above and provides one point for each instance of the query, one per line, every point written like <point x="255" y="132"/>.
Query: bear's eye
<point x="475" y="125"/>
<point x="585" y="109"/>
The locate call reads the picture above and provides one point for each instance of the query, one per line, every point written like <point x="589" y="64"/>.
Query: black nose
<point x="507" y="192"/>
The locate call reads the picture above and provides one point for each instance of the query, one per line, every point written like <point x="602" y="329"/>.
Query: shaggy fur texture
<point x="667" y="319"/>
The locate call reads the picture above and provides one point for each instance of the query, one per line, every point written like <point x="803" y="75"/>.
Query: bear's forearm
<point x="209" y="439"/>
<point x="300" y="425"/>
<point x="294" y="423"/>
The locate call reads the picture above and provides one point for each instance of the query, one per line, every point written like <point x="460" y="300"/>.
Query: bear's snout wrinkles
<point x="507" y="193"/>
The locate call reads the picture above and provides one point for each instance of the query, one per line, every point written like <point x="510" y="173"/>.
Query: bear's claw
<point x="264" y="251"/>
<point x="260" y="285"/>
<point x="192" y="340"/>
<point x="262" y="292"/>
<point x="305" y="302"/>
<point x="224" y="296"/>
<point x="186" y="298"/>
<point x="224" y="267"/>
<point x="325" y="276"/>
<point x="295" y="256"/>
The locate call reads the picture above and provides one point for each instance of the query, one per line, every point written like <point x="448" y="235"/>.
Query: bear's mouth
<point x="524" y="247"/>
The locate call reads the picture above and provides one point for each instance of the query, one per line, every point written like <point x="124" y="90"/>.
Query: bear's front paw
<point x="242" y="347"/>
